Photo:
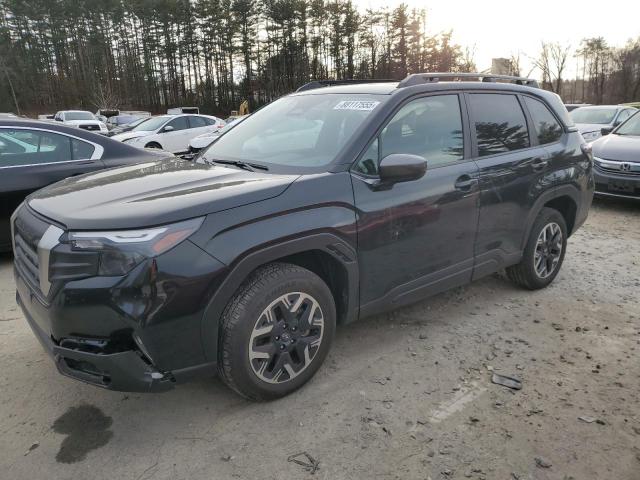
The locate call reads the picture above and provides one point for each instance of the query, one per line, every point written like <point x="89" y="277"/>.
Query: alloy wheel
<point x="286" y="337"/>
<point x="548" y="250"/>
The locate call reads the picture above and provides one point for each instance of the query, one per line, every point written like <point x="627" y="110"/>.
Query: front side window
<point x="29" y="147"/>
<point x="499" y="122"/>
<point x="296" y="131"/>
<point x="179" y="123"/>
<point x="548" y="130"/>
<point x="430" y="127"/>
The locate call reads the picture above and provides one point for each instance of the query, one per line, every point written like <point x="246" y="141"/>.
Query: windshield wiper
<point x="252" y="167"/>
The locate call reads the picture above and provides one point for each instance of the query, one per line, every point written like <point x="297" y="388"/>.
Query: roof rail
<point x="420" y="78"/>
<point x="328" y="83"/>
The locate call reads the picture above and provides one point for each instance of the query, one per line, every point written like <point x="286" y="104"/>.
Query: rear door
<point x="416" y="238"/>
<point x="513" y="168"/>
<point x="31" y="159"/>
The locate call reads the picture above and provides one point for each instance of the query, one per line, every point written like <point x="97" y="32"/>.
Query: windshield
<point x="630" y="127"/>
<point x="151" y="124"/>
<point x="602" y="116"/>
<point x="79" y="116"/>
<point x="302" y="131"/>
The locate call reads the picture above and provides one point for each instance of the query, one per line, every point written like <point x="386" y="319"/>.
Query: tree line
<point x="153" y="54"/>
<point x="601" y="74"/>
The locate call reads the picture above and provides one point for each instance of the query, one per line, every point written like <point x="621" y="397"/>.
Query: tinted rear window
<point x="547" y="127"/>
<point x="499" y="122"/>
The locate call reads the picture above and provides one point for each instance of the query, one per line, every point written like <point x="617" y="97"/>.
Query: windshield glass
<point x="602" y="116"/>
<point x="79" y="116"/>
<point x="151" y="124"/>
<point x="302" y="131"/>
<point x="630" y="127"/>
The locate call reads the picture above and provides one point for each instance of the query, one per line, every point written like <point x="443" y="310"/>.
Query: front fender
<point x="247" y="237"/>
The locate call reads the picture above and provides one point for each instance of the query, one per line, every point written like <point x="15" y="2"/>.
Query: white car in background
<point x="204" y="140"/>
<point x="81" y="119"/>
<point x="169" y="132"/>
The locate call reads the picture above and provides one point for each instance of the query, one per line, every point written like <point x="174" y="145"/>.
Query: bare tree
<point x="552" y="62"/>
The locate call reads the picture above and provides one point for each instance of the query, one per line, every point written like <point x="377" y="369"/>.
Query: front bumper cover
<point x="122" y="371"/>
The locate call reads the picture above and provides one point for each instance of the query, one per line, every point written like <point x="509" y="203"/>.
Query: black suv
<point x="330" y="204"/>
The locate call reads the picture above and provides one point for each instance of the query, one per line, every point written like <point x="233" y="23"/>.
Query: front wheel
<point x="544" y="253"/>
<point x="276" y="331"/>
<point x="153" y="145"/>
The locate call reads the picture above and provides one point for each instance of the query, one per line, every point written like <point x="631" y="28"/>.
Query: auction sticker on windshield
<point x="362" y="105"/>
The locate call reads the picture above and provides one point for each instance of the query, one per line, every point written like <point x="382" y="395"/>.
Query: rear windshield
<point x="79" y="116"/>
<point x="601" y="116"/>
<point x="300" y="131"/>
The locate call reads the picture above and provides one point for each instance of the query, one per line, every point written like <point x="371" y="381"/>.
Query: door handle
<point x="539" y="164"/>
<point x="465" y="183"/>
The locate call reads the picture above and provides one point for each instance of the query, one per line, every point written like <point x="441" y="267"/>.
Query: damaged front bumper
<point x="126" y="371"/>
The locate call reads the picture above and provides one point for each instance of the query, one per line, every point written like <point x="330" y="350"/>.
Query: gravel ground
<point x="402" y="396"/>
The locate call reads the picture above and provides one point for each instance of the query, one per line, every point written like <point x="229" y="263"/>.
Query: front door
<point x="176" y="140"/>
<point x="417" y="238"/>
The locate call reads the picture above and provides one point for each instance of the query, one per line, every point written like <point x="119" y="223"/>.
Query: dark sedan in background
<point x="35" y="154"/>
<point x="617" y="161"/>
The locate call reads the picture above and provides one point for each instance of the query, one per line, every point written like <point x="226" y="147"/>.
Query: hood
<point x="623" y="148"/>
<point x="131" y="134"/>
<point x="590" y="127"/>
<point x="75" y="123"/>
<point x="152" y="193"/>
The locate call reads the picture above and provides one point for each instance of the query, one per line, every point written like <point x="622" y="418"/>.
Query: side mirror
<point x="188" y="156"/>
<point x="606" y="130"/>
<point x="168" y="128"/>
<point x="58" y="119"/>
<point x="402" y="167"/>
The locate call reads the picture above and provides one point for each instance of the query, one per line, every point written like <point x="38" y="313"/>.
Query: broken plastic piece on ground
<point x="311" y="465"/>
<point x="505" y="381"/>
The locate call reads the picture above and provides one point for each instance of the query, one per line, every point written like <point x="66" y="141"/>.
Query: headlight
<point x="121" y="250"/>
<point x="591" y="136"/>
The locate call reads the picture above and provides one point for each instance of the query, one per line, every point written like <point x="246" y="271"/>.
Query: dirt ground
<point x="402" y="396"/>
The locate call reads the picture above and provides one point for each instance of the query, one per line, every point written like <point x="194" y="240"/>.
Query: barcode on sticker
<point x="366" y="105"/>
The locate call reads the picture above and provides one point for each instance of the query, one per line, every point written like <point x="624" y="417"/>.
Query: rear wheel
<point x="544" y="253"/>
<point x="276" y="331"/>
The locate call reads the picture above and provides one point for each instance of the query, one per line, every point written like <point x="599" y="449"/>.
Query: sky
<point x="501" y="28"/>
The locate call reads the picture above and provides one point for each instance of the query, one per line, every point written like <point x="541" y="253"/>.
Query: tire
<point x="153" y="145"/>
<point x="538" y="271"/>
<point x="260" y="321"/>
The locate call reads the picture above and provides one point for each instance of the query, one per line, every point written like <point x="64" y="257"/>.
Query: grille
<point x="27" y="233"/>
<point x="621" y="168"/>
<point x="26" y="260"/>
<point x="90" y="127"/>
<point x="42" y="261"/>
